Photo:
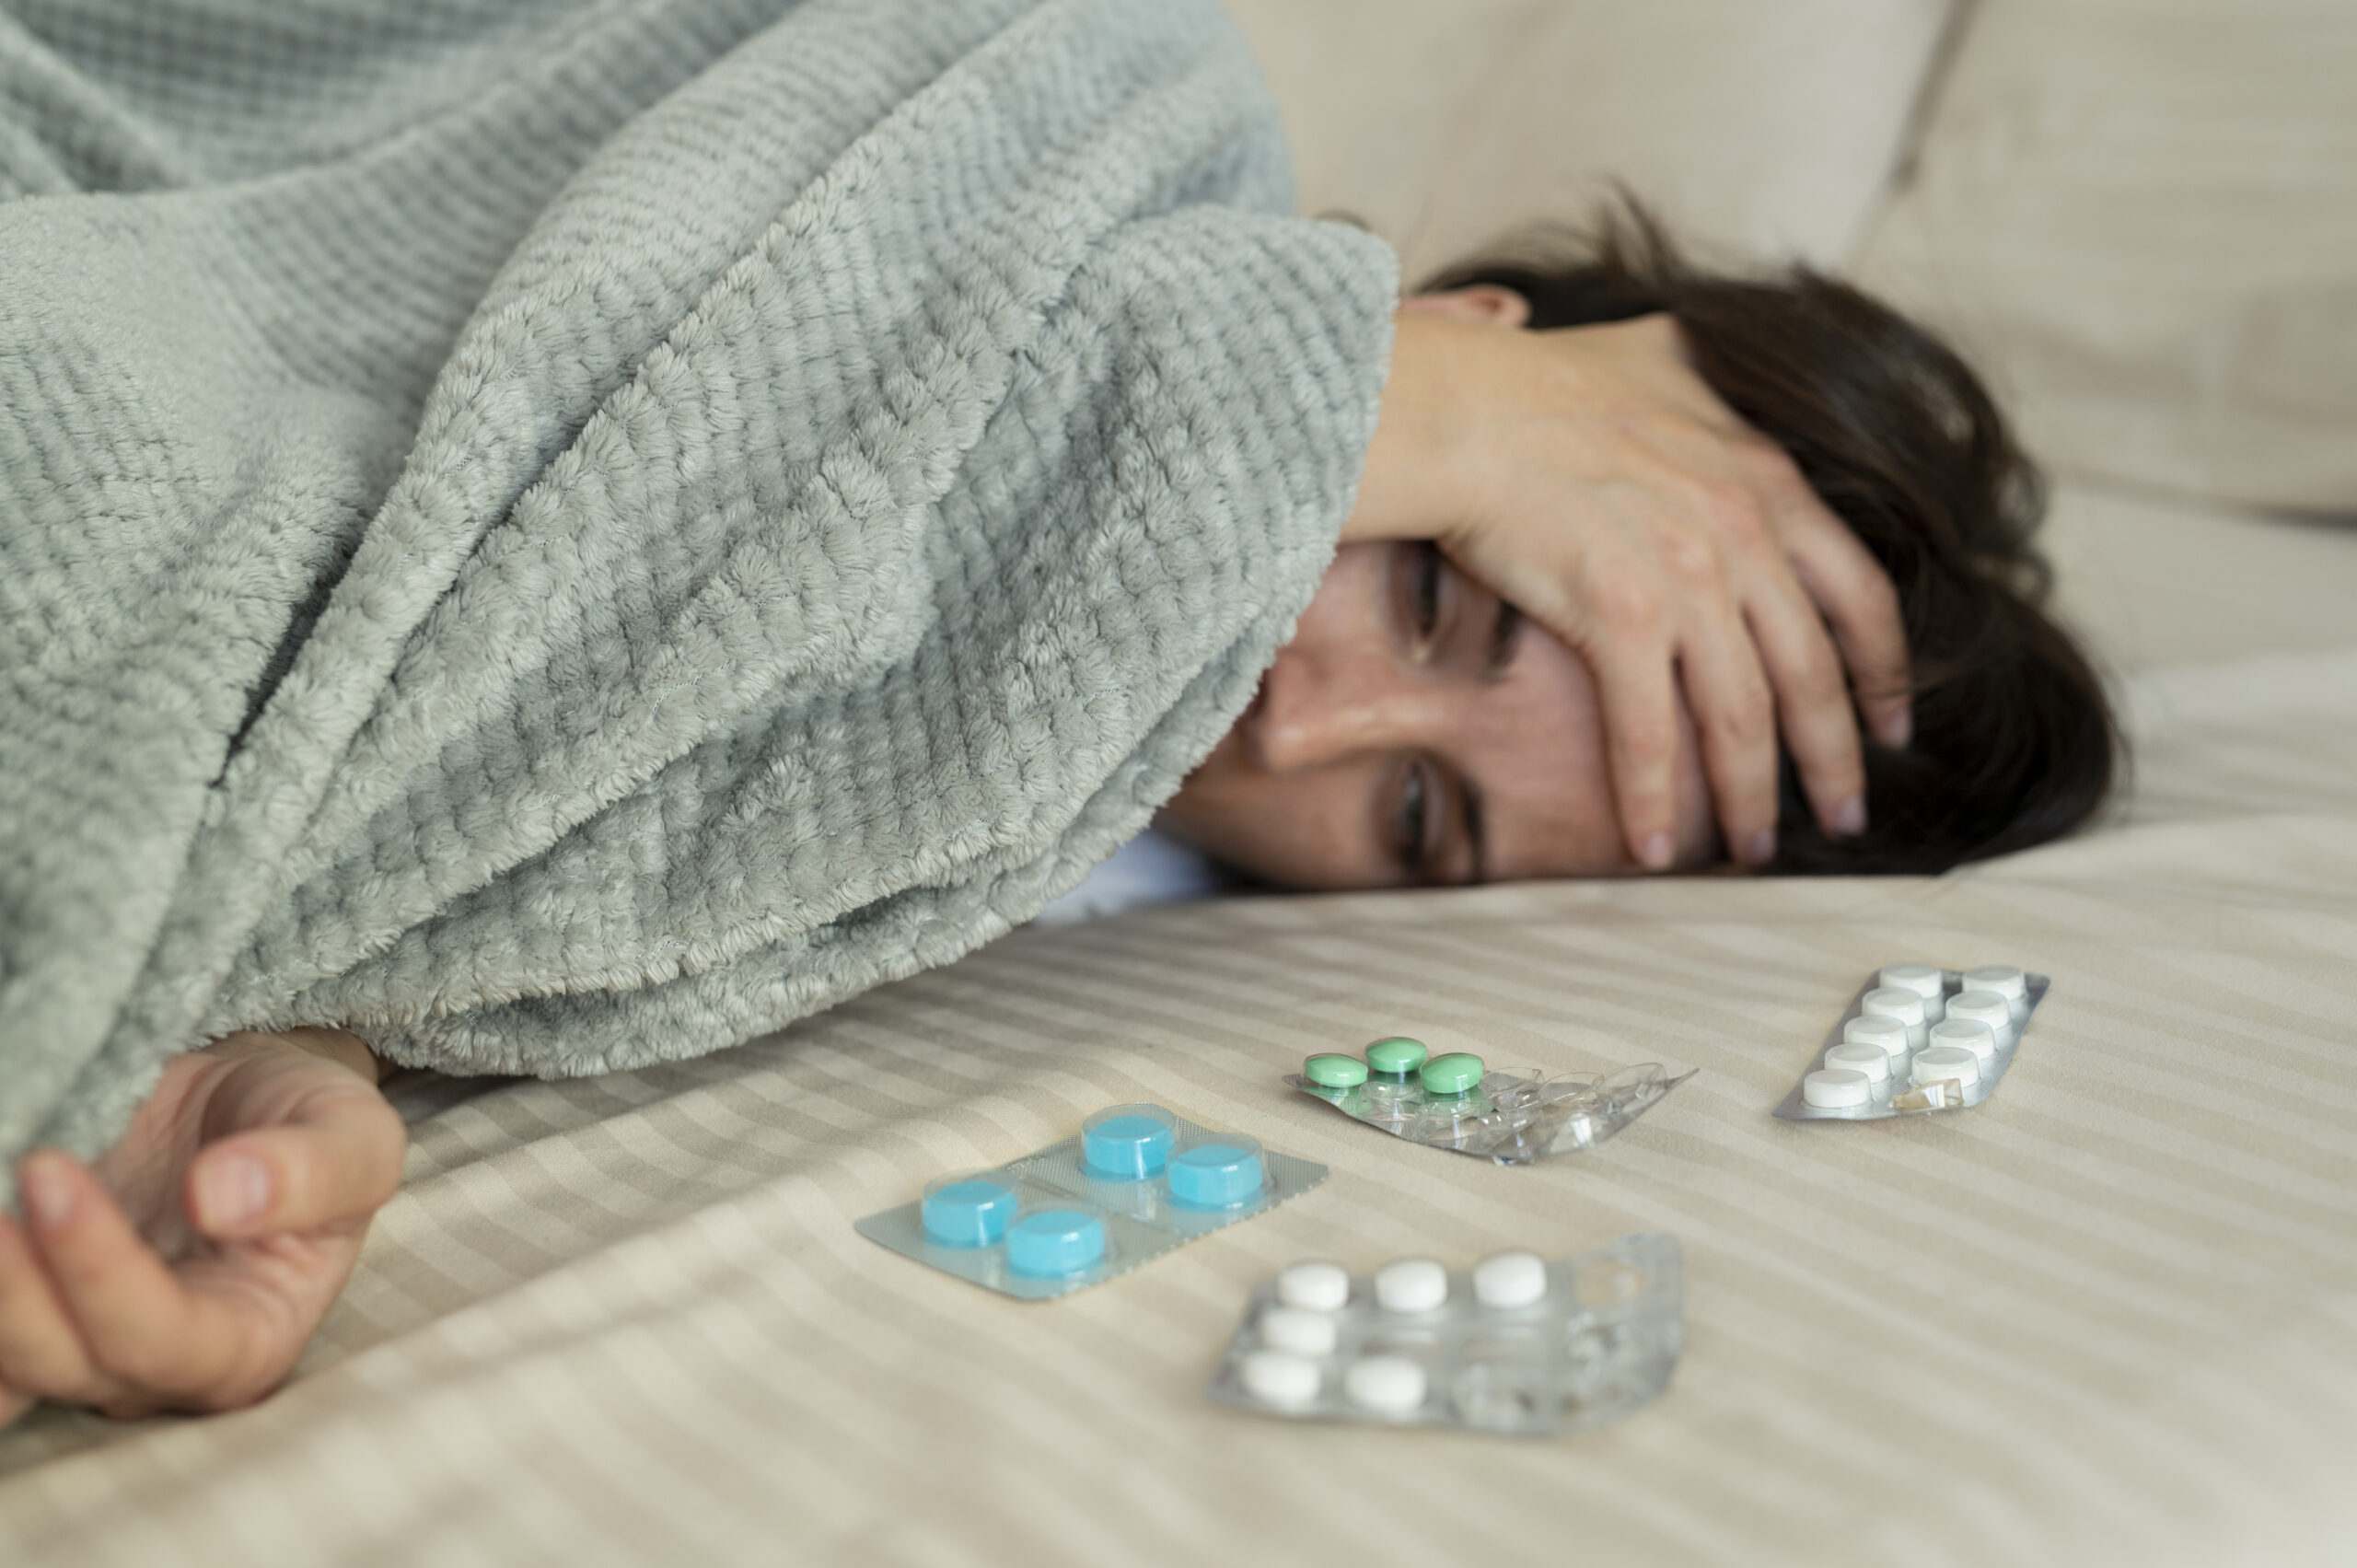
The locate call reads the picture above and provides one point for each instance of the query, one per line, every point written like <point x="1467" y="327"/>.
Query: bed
<point x="2111" y="1315"/>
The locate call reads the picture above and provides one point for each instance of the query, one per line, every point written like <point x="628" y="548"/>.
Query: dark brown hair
<point x="2014" y="742"/>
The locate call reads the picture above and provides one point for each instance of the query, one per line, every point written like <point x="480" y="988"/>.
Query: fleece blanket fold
<point x="556" y="535"/>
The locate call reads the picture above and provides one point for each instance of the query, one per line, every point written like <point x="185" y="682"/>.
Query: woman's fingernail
<point x="1760" y="848"/>
<point x="232" y="1191"/>
<point x="1849" y="816"/>
<point x="48" y="1192"/>
<point x="1897" y="728"/>
<point x="1656" y="852"/>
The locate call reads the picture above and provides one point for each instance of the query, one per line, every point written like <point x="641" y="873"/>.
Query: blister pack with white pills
<point x="1456" y="1101"/>
<point x="1516" y="1345"/>
<point x="1137" y="1181"/>
<point x="1918" y="1038"/>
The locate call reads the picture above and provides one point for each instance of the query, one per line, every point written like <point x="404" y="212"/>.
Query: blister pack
<point x="1515" y="1345"/>
<point x="1456" y="1101"/>
<point x="1137" y="1181"/>
<point x="1918" y="1038"/>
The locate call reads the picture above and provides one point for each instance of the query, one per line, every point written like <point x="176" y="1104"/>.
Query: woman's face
<point x="1417" y="730"/>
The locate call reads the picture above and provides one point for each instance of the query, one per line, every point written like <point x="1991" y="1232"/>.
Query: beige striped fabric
<point x="2110" y="1315"/>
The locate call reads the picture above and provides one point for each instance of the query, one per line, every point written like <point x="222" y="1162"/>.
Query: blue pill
<point x="1216" y="1176"/>
<point x="968" y="1213"/>
<point x="1127" y="1146"/>
<point x="1055" y="1241"/>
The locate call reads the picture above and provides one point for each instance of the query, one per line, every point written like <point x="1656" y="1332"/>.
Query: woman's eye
<point x="1427" y="588"/>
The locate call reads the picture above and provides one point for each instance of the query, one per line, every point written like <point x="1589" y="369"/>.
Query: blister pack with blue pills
<point x="1136" y="1182"/>
<point x="1916" y="1039"/>
<point x="1516" y="1345"/>
<point x="1457" y="1102"/>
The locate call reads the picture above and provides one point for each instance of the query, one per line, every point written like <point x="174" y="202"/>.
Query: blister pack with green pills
<point x="1517" y="1345"/>
<point x="1457" y="1102"/>
<point x="1137" y="1181"/>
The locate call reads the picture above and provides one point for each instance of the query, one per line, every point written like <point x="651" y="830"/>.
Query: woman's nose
<point x="1312" y="714"/>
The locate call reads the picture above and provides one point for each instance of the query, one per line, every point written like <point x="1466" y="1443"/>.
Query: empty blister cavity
<point x="1515" y="1346"/>
<point x="1318" y="1287"/>
<point x="1128" y="1143"/>
<point x="1135" y="1181"/>
<point x="1938" y="1062"/>
<point x="1456" y="1101"/>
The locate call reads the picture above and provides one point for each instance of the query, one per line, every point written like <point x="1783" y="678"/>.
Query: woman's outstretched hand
<point x="187" y="1269"/>
<point x="1588" y="476"/>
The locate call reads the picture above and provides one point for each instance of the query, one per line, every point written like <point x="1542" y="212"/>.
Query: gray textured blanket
<point x="557" y="535"/>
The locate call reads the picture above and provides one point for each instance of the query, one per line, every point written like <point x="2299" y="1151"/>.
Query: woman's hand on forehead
<point x="1589" y="476"/>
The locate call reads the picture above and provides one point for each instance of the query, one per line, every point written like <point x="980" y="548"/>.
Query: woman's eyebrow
<point x="1502" y="641"/>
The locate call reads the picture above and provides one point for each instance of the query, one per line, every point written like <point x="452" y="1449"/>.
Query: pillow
<point x="1443" y="123"/>
<point x="2142" y="217"/>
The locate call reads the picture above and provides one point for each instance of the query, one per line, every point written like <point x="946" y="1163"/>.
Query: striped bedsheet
<point x="2110" y="1315"/>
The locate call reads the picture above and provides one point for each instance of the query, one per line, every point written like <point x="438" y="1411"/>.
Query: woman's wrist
<point x="1412" y="485"/>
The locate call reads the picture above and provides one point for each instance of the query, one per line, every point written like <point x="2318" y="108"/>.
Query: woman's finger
<point x="1630" y="653"/>
<point x="138" y="1323"/>
<point x="13" y="1404"/>
<point x="1812" y="700"/>
<point x="1735" y="716"/>
<point x="336" y="1159"/>
<point x="41" y="1351"/>
<point x="1856" y="597"/>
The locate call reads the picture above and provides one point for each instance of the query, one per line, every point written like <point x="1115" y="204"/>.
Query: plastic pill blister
<point x="1457" y="1102"/>
<point x="1918" y="1038"/>
<point x="1137" y="1181"/>
<point x="1516" y="1345"/>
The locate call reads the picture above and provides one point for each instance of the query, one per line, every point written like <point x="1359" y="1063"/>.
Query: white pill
<point x="1836" y="1088"/>
<point x="2006" y="982"/>
<point x="1298" y="1331"/>
<point x="1276" y="1378"/>
<point x="1890" y="1001"/>
<point x="1320" y="1287"/>
<point x="1940" y="1062"/>
<point x="1985" y="1007"/>
<point x="1886" y="1034"/>
<point x="1411" y="1285"/>
<point x="1510" y="1280"/>
<point x="1966" y="1034"/>
<point x="1871" y="1060"/>
<point x="1388" y="1384"/>
<point x="1924" y="980"/>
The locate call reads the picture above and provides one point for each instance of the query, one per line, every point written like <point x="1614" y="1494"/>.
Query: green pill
<point x="1335" y="1071"/>
<point x="1396" y="1058"/>
<point x="1456" y="1074"/>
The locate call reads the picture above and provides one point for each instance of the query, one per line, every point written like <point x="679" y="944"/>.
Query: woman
<point x="1409" y="687"/>
<point x="653" y="449"/>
